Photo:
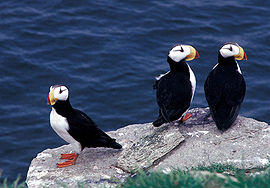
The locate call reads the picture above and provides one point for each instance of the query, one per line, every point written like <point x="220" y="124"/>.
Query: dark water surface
<point x="108" y="53"/>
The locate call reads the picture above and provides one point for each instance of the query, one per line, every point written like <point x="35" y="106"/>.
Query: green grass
<point x="214" y="176"/>
<point x="15" y="184"/>
<point x="211" y="177"/>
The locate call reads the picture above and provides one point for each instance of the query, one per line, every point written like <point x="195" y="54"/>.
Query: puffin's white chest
<point x="192" y="79"/>
<point x="238" y="68"/>
<point x="61" y="127"/>
<point x="58" y="123"/>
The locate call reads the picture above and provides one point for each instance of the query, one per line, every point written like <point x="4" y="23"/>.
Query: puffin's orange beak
<point x="193" y="54"/>
<point x="245" y="56"/>
<point x="48" y="100"/>
<point x="197" y="55"/>
<point x="51" y="100"/>
<point x="241" y="55"/>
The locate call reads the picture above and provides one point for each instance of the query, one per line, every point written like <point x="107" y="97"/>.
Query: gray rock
<point x="94" y="166"/>
<point x="246" y="144"/>
<point x="149" y="148"/>
<point x="97" y="166"/>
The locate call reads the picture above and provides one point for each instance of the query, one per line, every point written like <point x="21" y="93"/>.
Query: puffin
<point x="225" y="86"/>
<point x="175" y="89"/>
<point x="74" y="126"/>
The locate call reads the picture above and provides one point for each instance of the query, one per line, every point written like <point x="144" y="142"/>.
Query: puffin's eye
<point x="230" y="48"/>
<point x="181" y="50"/>
<point x="61" y="91"/>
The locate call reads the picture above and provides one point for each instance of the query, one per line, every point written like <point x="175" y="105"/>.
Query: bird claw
<point x="68" y="155"/>
<point x="72" y="160"/>
<point x="186" y="117"/>
<point x="65" y="164"/>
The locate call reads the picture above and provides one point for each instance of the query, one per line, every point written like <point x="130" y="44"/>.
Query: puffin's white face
<point x="181" y="52"/>
<point x="233" y="49"/>
<point x="57" y="92"/>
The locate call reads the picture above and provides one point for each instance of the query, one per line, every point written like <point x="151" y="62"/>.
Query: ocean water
<point x="108" y="53"/>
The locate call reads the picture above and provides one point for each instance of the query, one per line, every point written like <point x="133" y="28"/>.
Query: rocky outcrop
<point x="142" y="145"/>
<point x="195" y="142"/>
<point x="246" y="144"/>
<point x="149" y="147"/>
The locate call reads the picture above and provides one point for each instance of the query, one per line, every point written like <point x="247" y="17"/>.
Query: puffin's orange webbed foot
<point x="70" y="162"/>
<point x="68" y="155"/>
<point x="186" y="117"/>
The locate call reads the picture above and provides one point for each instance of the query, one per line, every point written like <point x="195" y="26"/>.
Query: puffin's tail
<point x="106" y="141"/>
<point x="115" y="145"/>
<point x="225" y="118"/>
<point x="159" y="121"/>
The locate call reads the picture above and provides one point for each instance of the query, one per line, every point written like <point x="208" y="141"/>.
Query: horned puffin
<point x="175" y="89"/>
<point x="74" y="126"/>
<point x="225" y="86"/>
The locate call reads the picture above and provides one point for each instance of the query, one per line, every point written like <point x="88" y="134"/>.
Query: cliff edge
<point x="196" y="142"/>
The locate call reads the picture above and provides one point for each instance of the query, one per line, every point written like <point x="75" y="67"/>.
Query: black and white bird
<point x="74" y="126"/>
<point x="175" y="89"/>
<point x="225" y="86"/>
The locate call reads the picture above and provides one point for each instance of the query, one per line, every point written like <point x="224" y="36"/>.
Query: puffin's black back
<point x="174" y="92"/>
<point x="83" y="129"/>
<point x="225" y="91"/>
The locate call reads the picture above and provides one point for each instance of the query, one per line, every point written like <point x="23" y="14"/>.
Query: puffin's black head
<point x="183" y="52"/>
<point x="232" y="50"/>
<point x="57" y="93"/>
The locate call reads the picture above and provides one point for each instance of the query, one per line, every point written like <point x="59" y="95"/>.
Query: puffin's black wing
<point x="235" y="92"/>
<point x="83" y="129"/>
<point x="225" y="98"/>
<point x="212" y="89"/>
<point x="174" y="93"/>
<point x="155" y="85"/>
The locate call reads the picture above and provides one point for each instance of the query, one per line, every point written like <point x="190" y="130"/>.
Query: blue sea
<point x="108" y="53"/>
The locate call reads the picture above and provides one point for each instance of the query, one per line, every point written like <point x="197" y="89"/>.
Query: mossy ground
<point x="214" y="176"/>
<point x="211" y="177"/>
